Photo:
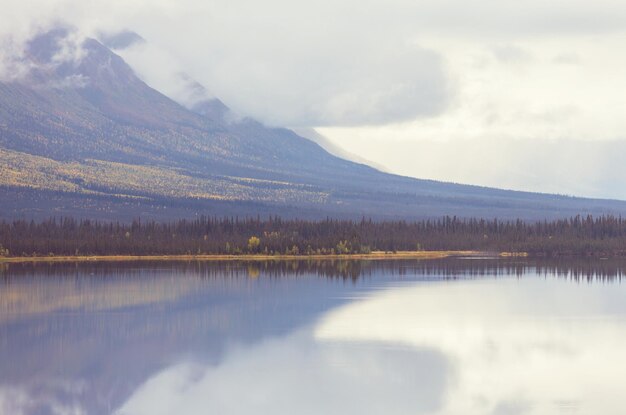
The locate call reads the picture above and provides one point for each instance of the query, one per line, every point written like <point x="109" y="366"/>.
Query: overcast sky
<point x="525" y="95"/>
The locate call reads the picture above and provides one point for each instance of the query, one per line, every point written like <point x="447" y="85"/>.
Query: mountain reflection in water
<point x="479" y="336"/>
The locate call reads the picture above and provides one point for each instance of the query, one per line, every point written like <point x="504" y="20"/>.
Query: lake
<point x="456" y="336"/>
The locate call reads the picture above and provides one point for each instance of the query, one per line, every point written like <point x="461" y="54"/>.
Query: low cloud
<point x="44" y="52"/>
<point x="567" y="59"/>
<point x="120" y="40"/>
<point x="162" y="71"/>
<point x="511" y="54"/>
<point x="322" y="64"/>
<point x="309" y="83"/>
<point x="298" y="68"/>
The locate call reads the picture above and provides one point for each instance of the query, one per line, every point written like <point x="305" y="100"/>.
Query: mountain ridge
<point x="82" y="126"/>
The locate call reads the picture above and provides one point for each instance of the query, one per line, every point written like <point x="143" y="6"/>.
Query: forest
<point x="603" y="236"/>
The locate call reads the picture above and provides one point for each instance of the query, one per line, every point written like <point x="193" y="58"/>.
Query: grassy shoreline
<point x="254" y="257"/>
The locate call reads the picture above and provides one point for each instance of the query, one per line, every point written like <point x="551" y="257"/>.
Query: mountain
<point x="82" y="135"/>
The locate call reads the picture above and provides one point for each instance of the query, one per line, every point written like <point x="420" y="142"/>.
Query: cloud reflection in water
<point x="519" y="347"/>
<point x="475" y="347"/>
<point x="296" y="374"/>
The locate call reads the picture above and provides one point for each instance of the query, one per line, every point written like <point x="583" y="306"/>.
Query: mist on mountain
<point x="81" y="134"/>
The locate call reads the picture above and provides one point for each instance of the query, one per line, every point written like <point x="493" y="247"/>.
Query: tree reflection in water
<point x="336" y="335"/>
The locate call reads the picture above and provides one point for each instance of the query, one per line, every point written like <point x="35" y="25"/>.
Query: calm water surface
<point x="473" y="336"/>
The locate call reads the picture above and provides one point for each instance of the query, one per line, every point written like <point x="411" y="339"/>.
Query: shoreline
<point x="261" y="257"/>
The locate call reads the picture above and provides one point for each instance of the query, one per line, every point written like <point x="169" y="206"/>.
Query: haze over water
<point x="462" y="336"/>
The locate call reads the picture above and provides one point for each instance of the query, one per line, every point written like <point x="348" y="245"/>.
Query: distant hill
<point x="82" y="135"/>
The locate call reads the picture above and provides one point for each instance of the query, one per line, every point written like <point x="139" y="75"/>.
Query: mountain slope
<point x="82" y="131"/>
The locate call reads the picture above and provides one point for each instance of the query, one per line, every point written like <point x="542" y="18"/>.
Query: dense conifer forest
<point x="580" y="236"/>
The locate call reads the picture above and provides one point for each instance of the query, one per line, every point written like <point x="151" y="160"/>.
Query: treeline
<point x="586" y="236"/>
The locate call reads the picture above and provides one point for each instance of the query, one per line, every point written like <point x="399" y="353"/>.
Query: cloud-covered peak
<point x="48" y="58"/>
<point x="120" y="40"/>
<point x="63" y="57"/>
<point x="48" y="46"/>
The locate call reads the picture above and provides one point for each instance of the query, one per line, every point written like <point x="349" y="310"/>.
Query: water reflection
<point x="439" y="337"/>
<point x="589" y="269"/>
<point x="531" y="346"/>
<point x="299" y="375"/>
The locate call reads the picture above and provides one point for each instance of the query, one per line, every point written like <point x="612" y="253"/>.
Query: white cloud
<point x="328" y="63"/>
<point x="569" y="167"/>
<point x="511" y="54"/>
<point x="285" y="64"/>
<point x="170" y="79"/>
<point x="305" y="64"/>
<point x="544" y="116"/>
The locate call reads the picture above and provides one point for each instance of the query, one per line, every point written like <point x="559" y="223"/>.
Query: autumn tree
<point x="253" y="244"/>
